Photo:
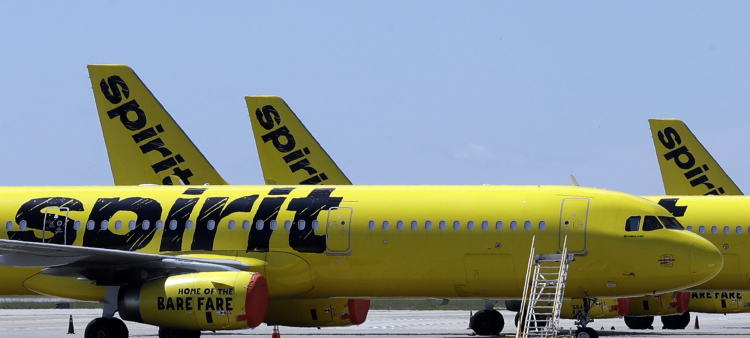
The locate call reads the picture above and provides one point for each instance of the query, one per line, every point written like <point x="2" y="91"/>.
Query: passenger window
<point x="211" y="224"/>
<point x="400" y="225"/>
<point x="173" y="224"/>
<point x="232" y="224"/>
<point x="315" y="224"/>
<point x="499" y="225"/>
<point x="189" y="224"/>
<point x="22" y="224"/>
<point x="386" y="225"/>
<point x="671" y="223"/>
<point x="259" y="224"/>
<point x="274" y="224"/>
<point x="527" y="225"/>
<point x="513" y="225"/>
<point x="714" y="229"/>
<point x="690" y="228"/>
<point x="427" y="225"/>
<point x="118" y="225"/>
<point x="542" y="225"/>
<point x="9" y="225"/>
<point x="441" y="225"/>
<point x="131" y="225"/>
<point x="738" y="229"/>
<point x="470" y="225"/>
<point x="485" y="225"/>
<point x="159" y="225"/>
<point x="91" y="224"/>
<point x="414" y="225"/>
<point x="701" y="229"/>
<point x="651" y="223"/>
<point x="103" y="225"/>
<point x="456" y="225"/>
<point x="726" y="229"/>
<point x="633" y="223"/>
<point x="287" y="225"/>
<point x="146" y="224"/>
<point x="76" y="225"/>
<point x="371" y="225"/>
<point x="301" y="224"/>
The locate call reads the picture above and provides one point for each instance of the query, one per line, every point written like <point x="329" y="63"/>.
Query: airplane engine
<point x="317" y="312"/>
<point x="197" y="301"/>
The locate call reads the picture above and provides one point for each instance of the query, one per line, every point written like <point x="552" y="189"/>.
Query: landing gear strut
<point x="583" y="319"/>
<point x="487" y="322"/>
<point x="107" y="326"/>
<point x="676" y="322"/>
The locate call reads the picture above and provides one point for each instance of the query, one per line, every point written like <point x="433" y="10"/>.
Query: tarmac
<point x="54" y="323"/>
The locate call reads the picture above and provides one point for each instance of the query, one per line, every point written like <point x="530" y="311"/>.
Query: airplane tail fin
<point x="686" y="166"/>
<point x="288" y="153"/>
<point x="145" y="145"/>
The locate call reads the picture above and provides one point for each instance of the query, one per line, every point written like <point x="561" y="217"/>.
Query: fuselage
<point x="371" y="241"/>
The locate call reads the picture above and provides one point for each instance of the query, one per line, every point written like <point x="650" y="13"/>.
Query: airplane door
<point x="337" y="230"/>
<point x="55" y="221"/>
<point x="573" y="219"/>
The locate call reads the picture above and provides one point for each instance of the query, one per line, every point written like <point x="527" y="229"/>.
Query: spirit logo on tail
<point x="683" y="159"/>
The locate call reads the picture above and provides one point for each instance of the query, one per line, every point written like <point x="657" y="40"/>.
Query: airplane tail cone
<point x="70" y="326"/>
<point x="276" y="333"/>
<point x="697" y="326"/>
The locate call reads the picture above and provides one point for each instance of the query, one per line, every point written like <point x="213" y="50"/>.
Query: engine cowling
<point x="198" y="301"/>
<point x="317" y="312"/>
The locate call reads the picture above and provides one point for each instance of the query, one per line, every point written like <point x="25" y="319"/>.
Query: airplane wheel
<point x="175" y="333"/>
<point x="586" y="332"/>
<point x="487" y="323"/>
<point x="676" y="322"/>
<point x="518" y="317"/>
<point x="106" y="328"/>
<point x="639" y="323"/>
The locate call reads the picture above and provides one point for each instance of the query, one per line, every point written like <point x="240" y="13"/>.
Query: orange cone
<point x="276" y="333"/>
<point x="697" y="326"/>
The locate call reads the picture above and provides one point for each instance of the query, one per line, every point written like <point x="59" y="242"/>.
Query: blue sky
<point x="419" y="92"/>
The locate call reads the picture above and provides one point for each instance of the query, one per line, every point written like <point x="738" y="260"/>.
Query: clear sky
<point x="397" y="92"/>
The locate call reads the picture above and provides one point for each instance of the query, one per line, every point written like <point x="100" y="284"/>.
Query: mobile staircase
<point x="543" y="293"/>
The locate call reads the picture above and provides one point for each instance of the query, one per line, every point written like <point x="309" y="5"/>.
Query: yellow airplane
<point x="688" y="180"/>
<point x="191" y="258"/>
<point x="687" y="168"/>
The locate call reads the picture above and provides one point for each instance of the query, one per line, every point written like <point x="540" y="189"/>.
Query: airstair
<point x="542" y="300"/>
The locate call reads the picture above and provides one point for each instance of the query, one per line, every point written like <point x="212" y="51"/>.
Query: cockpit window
<point x="671" y="223"/>
<point x="633" y="223"/>
<point x="651" y="223"/>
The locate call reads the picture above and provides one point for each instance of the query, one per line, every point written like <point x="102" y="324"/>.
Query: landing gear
<point x="175" y="333"/>
<point x="106" y="328"/>
<point x="487" y="323"/>
<point x="676" y="322"/>
<point x="586" y="332"/>
<point x="583" y="319"/>
<point x="640" y="323"/>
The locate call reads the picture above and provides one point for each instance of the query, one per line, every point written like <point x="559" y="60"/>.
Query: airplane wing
<point x="100" y="265"/>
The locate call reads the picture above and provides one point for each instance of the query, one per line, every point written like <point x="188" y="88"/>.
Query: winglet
<point x="686" y="166"/>
<point x="288" y="153"/>
<point x="574" y="181"/>
<point x="145" y="145"/>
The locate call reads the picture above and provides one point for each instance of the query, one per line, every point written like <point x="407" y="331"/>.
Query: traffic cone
<point x="697" y="326"/>
<point x="471" y="314"/>
<point x="70" y="326"/>
<point x="276" y="333"/>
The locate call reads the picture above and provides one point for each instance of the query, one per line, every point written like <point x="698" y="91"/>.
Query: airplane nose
<point x="705" y="260"/>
